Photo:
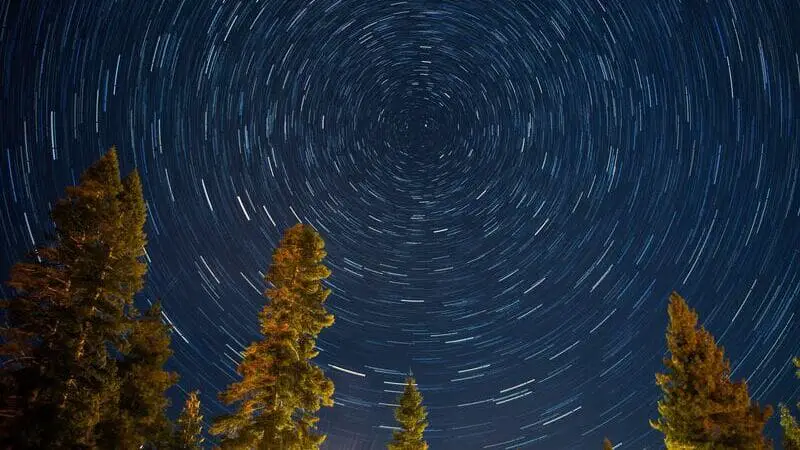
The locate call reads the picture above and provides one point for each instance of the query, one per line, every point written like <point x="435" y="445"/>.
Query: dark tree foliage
<point x="281" y="389"/>
<point x="412" y="417"/>
<point x="701" y="407"/>
<point x="69" y="317"/>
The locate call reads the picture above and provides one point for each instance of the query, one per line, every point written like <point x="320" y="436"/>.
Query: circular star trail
<point x="508" y="190"/>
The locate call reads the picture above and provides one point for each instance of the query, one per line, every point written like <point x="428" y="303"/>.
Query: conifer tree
<point x="281" y="389"/>
<point x="791" y="429"/>
<point x="69" y="307"/>
<point x="412" y="417"/>
<point x="607" y="445"/>
<point x="189" y="427"/>
<point x="701" y="407"/>
<point x="143" y="400"/>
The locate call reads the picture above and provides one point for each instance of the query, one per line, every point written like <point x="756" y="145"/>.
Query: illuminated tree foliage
<point x="701" y="407"/>
<point x="141" y="417"/>
<point x="791" y="429"/>
<point x="412" y="417"/>
<point x="70" y="317"/>
<point x="189" y="427"/>
<point x="607" y="445"/>
<point x="281" y="389"/>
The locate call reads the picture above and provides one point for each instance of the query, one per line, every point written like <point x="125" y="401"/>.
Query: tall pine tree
<point x="189" y="427"/>
<point x="791" y="429"/>
<point x="607" y="445"/>
<point x="281" y="389"/>
<point x="60" y="377"/>
<point x="701" y="407"/>
<point x="412" y="417"/>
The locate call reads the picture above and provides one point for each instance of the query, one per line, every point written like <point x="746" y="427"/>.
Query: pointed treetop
<point x="412" y="416"/>
<point x="98" y="372"/>
<point x="679" y="311"/>
<point x="281" y="390"/>
<point x="132" y="191"/>
<point x="701" y="406"/>
<point x="189" y="430"/>
<point x="105" y="170"/>
<point x="306" y="238"/>
<point x="607" y="445"/>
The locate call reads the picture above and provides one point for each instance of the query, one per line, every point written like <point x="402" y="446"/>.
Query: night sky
<point x="508" y="190"/>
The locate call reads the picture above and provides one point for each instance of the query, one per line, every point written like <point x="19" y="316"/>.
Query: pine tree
<point x="59" y="375"/>
<point x="791" y="429"/>
<point x="280" y="388"/>
<point x="412" y="417"/>
<point x="701" y="407"/>
<point x="189" y="429"/>
<point x="143" y="400"/>
<point x="607" y="445"/>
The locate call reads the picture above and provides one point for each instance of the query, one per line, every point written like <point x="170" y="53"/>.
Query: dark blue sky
<point x="508" y="190"/>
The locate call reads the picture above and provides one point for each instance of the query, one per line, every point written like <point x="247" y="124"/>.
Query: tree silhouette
<point x="68" y="315"/>
<point x="189" y="427"/>
<point x="412" y="417"/>
<point x="280" y="388"/>
<point x="701" y="407"/>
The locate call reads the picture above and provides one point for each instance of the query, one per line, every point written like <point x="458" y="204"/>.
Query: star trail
<point x="508" y="190"/>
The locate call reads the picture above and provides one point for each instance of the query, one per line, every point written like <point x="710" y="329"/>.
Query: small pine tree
<point x="607" y="445"/>
<point x="412" y="417"/>
<point x="189" y="429"/>
<point x="280" y="388"/>
<point x="791" y="429"/>
<point x="68" y="313"/>
<point x="702" y="408"/>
